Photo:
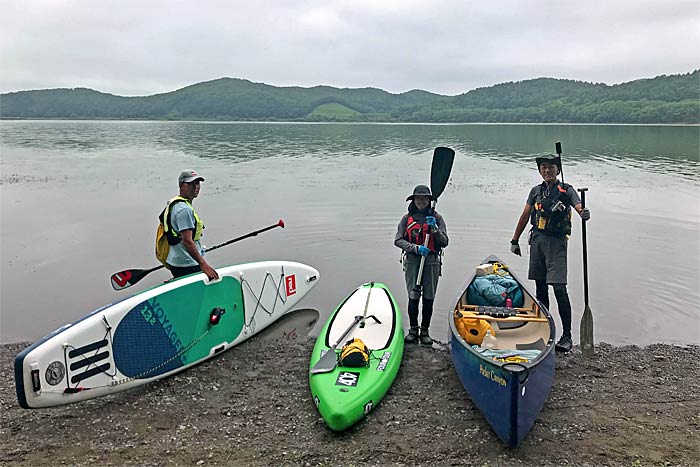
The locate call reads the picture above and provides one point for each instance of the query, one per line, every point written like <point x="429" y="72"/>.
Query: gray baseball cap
<point x="188" y="176"/>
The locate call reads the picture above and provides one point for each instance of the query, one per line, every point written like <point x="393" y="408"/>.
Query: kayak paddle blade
<point x="443" y="158"/>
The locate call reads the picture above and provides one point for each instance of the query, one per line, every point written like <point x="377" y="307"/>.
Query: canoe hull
<point x="509" y="395"/>
<point x="510" y="398"/>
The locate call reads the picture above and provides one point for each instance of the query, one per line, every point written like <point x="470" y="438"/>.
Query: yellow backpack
<point x="354" y="353"/>
<point x="162" y="241"/>
<point x="162" y="245"/>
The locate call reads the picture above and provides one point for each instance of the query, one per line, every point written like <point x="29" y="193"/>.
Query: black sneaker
<point x="425" y="339"/>
<point x="412" y="336"/>
<point x="564" y="344"/>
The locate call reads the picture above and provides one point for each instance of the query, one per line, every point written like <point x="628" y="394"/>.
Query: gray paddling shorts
<point x="431" y="274"/>
<point x="547" y="258"/>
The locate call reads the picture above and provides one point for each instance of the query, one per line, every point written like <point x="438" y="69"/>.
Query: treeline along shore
<point x="665" y="99"/>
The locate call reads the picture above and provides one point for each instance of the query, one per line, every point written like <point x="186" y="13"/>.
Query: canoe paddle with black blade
<point x="557" y="147"/>
<point x="124" y="279"/>
<point x="443" y="158"/>
<point x="586" y="329"/>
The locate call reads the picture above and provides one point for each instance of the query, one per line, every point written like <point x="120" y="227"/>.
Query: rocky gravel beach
<point x="628" y="406"/>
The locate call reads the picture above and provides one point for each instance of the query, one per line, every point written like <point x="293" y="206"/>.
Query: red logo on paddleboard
<point x="291" y="282"/>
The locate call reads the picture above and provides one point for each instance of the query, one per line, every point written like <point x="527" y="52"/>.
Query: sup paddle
<point x="330" y="360"/>
<point x="443" y="158"/>
<point x="124" y="279"/>
<point x="586" y="329"/>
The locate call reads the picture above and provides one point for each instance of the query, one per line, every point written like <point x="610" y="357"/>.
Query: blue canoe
<point x="510" y="382"/>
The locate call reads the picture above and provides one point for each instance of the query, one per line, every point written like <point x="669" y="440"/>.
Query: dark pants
<point x="563" y="303"/>
<point x="187" y="270"/>
<point x="413" y="313"/>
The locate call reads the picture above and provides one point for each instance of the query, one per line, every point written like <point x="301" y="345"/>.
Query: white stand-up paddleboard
<point x="158" y="332"/>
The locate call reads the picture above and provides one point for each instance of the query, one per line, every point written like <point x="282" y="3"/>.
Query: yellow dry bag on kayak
<point x="354" y="353"/>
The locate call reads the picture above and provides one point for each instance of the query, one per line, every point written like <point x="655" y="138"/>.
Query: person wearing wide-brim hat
<point x="421" y="221"/>
<point x="183" y="228"/>
<point x="548" y="208"/>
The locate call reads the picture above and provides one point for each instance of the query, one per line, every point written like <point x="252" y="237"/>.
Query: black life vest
<point x="543" y="218"/>
<point x="416" y="232"/>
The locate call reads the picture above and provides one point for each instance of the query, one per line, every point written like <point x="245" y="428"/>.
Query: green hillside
<point x="664" y="99"/>
<point x="333" y="112"/>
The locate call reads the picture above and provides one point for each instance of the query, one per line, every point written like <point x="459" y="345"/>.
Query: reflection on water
<point x="653" y="148"/>
<point x="81" y="200"/>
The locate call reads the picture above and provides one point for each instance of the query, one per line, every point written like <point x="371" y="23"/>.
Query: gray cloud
<point x="449" y="47"/>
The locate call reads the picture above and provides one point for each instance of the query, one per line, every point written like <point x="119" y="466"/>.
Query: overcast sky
<point x="144" y="47"/>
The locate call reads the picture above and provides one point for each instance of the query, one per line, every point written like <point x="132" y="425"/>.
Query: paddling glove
<point x="432" y="223"/>
<point x="423" y="250"/>
<point x="585" y="214"/>
<point x="515" y="247"/>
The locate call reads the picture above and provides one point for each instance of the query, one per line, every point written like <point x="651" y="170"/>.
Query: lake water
<point x="80" y="200"/>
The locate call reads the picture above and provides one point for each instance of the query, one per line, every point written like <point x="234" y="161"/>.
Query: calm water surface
<point x="80" y="200"/>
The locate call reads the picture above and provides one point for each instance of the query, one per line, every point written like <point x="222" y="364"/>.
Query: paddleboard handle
<point x="215" y="316"/>
<point x="36" y="379"/>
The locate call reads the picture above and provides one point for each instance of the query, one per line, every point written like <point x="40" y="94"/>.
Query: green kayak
<point x="345" y="394"/>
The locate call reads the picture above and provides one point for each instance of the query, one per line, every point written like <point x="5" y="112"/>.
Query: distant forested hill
<point x="664" y="99"/>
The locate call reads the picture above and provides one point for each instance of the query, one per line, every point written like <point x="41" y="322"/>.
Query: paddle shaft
<point x="280" y="223"/>
<point x="127" y="278"/>
<point x="419" y="278"/>
<point x="585" y="249"/>
<point x="364" y="314"/>
<point x="586" y="329"/>
<point x="329" y="360"/>
<point x="344" y="335"/>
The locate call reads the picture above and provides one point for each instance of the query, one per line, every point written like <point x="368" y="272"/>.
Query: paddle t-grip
<point x="583" y="191"/>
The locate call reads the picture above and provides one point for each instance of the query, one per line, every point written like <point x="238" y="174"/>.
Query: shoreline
<point x="332" y="122"/>
<point x="251" y="405"/>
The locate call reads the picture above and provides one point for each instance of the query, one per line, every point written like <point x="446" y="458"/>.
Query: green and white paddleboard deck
<point x="158" y="332"/>
<point x="345" y="395"/>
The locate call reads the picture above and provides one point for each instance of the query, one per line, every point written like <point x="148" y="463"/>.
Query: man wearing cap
<point x="548" y="208"/>
<point x="420" y="223"/>
<point x="184" y="229"/>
